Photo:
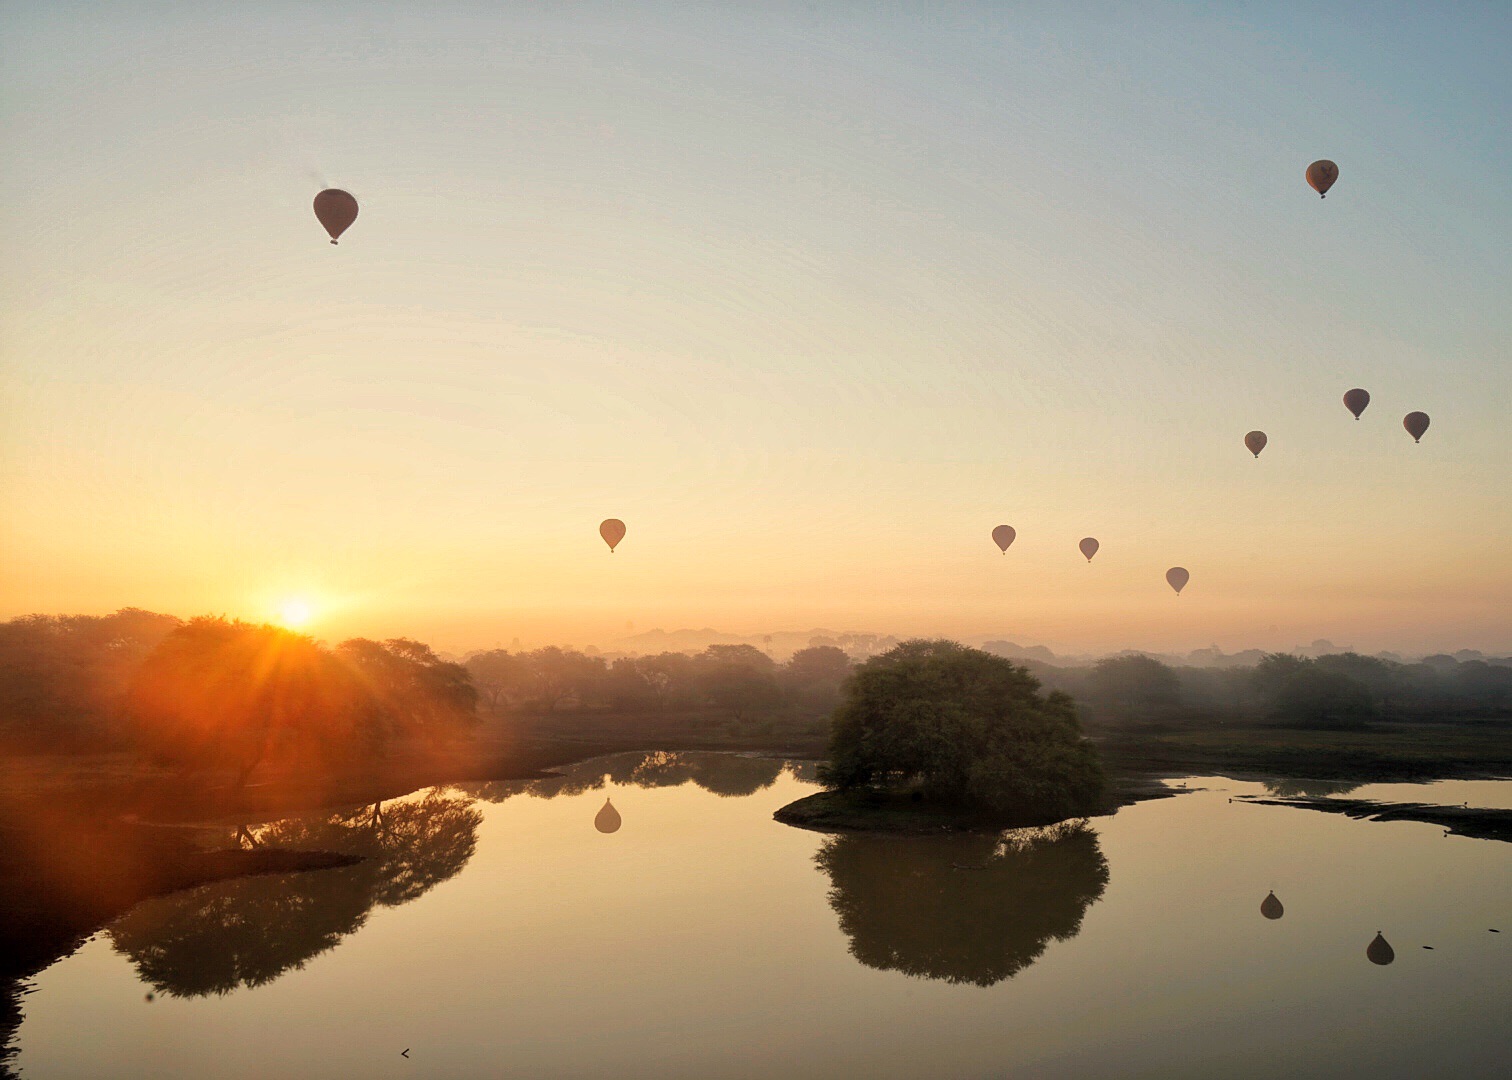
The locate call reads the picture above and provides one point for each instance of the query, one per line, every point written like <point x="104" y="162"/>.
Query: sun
<point x="294" y="612"/>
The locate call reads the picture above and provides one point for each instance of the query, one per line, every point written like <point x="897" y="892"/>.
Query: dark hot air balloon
<point x="1380" y="951"/>
<point x="1177" y="577"/>
<point x="607" y="820"/>
<point x="1002" y="536"/>
<point x="1089" y="546"/>
<point x="1416" y="423"/>
<point x="613" y="531"/>
<point x="1355" y="401"/>
<point x="1271" y="908"/>
<point x="336" y="210"/>
<point x="1321" y="175"/>
<point x="1255" y="441"/>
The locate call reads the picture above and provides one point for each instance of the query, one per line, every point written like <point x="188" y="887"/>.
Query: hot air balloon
<point x="1002" y="536"/>
<point x="1271" y="908"/>
<point x="607" y="820"/>
<point x="613" y="531"/>
<point x="1321" y="175"/>
<point x="1380" y="951"/>
<point x="1255" y="441"/>
<point x="1089" y="546"/>
<point x="1416" y="423"/>
<point x="1355" y="401"/>
<point x="1177" y="577"/>
<point x="336" y="210"/>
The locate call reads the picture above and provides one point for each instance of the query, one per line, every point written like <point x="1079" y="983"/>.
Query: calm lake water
<point x="495" y="931"/>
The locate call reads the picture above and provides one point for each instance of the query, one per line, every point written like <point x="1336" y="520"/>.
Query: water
<point x="494" y="931"/>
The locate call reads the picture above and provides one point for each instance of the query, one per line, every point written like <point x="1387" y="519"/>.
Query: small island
<point x="935" y="736"/>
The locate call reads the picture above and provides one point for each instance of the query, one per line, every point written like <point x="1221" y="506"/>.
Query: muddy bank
<point x="1478" y="822"/>
<point x="833" y="811"/>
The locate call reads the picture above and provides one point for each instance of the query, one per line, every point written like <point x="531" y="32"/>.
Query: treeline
<point x="1341" y="689"/>
<point x="213" y="693"/>
<point x="733" y="682"/>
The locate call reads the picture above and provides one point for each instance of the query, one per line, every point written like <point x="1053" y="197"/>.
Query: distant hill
<point x="781" y="644"/>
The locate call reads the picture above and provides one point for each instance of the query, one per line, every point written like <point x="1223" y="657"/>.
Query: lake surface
<point x="493" y="930"/>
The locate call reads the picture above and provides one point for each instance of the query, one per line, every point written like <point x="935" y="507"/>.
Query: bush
<point x="964" y="726"/>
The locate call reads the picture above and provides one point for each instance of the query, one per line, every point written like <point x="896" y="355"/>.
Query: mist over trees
<point x="217" y="694"/>
<point x="137" y="680"/>
<point x="734" y="683"/>
<point x="1331" y="690"/>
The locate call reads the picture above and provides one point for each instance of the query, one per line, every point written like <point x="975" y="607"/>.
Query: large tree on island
<point x="963" y="726"/>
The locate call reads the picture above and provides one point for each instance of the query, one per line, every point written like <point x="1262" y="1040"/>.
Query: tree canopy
<point x="962" y="725"/>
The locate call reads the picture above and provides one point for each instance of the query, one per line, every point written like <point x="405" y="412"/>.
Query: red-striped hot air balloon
<point x="1321" y="175"/>
<point x="1089" y="546"/>
<point x="613" y="531"/>
<point x="1255" y="441"/>
<point x="1355" y="401"/>
<point x="1177" y="577"/>
<point x="1002" y="536"/>
<point x="1416" y="424"/>
<point x="336" y="210"/>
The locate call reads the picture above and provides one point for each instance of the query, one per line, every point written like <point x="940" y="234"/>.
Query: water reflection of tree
<point x="250" y="931"/>
<point x="725" y="775"/>
<point x="965" y="908"/>
<point x="1302" y="788"/>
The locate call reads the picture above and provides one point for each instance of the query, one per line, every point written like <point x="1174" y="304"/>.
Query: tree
<point x="963" y="726"/>
<point x="559" y="674"/>
<point x="63" y="677"/>
<point x="813" y="676"/>
<point x="1299" y="689"/>
<point x="502" y="677"/>
<point x="410" y="690"/>
<point x="739" y="678"/>
<point x="1136" y="687"/>
<point x="222" y="694"/>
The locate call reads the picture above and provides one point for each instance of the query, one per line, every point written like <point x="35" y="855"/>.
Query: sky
<point x="811" y="296"/>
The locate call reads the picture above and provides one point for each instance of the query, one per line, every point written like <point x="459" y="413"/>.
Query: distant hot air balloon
<point x="336" y="210"/>
<point x="1271" y="908"/>
<point x="1355" y="401"/>
<point x="1177" y="577"/>
<point x="1380" y="951"/>
<point x="1321" y="174"/>
<point x="613" y="531"/>
<point x="1002" y="536"/>
<point x="607" y="820"/>
<point x="1416" y="423"/>
<point x="1255" y="441"/>
<point x="1089" y="546"/>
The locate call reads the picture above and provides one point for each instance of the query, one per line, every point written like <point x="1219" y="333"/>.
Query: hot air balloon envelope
<point x="613" y="531"/>
<point x="1321" y="175"/>
<point x="1089" y="546"/>
<point x="1271" y="908"/>
<point x="1416" y="423"/>
<point x="1256" y="441"/>
<point x="1380" y="951"/>
<point x="336" y="210"/>
<point x="607" y="820"/>
<point x="1002" y="536"/>
<point x="1355" y="401"/>
<point x="1177" y="577"/>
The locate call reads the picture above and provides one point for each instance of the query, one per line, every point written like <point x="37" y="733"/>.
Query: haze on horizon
<point x="811" y="299"/>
